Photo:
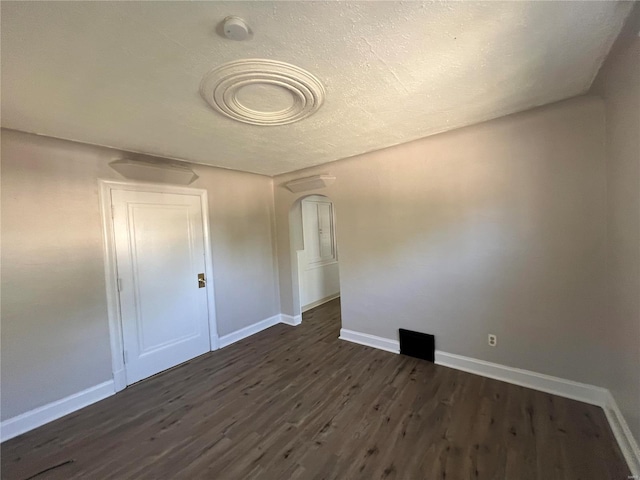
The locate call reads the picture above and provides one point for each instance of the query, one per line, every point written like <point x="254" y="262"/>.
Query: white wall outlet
<point x="493" y="340"/>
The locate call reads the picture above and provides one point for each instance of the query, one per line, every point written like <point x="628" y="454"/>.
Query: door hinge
<point x="126" y="357"/>
<point x="119" y="284"/>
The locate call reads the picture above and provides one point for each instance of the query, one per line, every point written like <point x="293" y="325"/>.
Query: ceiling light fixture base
<point x="221" y="89"/>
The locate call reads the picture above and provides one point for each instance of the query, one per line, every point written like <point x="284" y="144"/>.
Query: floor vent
<point x="416" y="344"/>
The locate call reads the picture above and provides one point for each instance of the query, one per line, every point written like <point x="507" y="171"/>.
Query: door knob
<point x="202" y="282"/>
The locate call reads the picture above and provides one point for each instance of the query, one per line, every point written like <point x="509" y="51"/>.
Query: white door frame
<point x="111" y="272"/>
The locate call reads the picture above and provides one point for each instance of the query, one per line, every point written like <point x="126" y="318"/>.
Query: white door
<point x="160" y="252"/>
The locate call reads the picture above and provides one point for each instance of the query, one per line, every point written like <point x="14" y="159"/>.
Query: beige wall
<point x="55" y="336"/>
<point x="619" y="84"/>
<point x="496" y="228"/>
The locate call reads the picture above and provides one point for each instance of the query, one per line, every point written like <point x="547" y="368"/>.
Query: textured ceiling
<point x="127" y="74"/>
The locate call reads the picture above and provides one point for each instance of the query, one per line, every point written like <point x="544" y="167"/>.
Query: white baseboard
<point x="35" y="418"/>
<point x="47" y="413"/>
<point x="322" y="301"/>
<point x="537" y="381"/>
<point x="290" y="320"/>
<point x="381" y="343"/>
<point x="245" y="332"/>
<point x="558" y="386"/>
<point x="623" y="435"/>
<point x="525" y="378"/>
<point x="583" y="392"/>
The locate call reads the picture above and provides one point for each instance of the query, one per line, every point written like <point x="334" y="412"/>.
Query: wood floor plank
<point x="297" y="403"/>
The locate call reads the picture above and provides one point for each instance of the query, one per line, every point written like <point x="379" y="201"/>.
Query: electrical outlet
<point x="493" y="340"/>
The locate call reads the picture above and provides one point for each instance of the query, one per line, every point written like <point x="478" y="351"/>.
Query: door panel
<point x="160" y="252"/>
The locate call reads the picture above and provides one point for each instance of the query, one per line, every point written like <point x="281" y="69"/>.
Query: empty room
<point x="408" y="243"/>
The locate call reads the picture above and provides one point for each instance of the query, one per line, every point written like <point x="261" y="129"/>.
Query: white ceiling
<point x="126" y="74"/>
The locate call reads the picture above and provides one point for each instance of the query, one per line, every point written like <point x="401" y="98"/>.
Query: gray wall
<point x="55" y="336"/>
<point x="496" y="228"/>
<point x="619" y="84"/>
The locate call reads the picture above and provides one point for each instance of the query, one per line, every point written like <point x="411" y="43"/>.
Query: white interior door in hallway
<point x="160" y="253"/>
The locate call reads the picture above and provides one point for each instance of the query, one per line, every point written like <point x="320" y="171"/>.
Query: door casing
<point x="111" y="273"/>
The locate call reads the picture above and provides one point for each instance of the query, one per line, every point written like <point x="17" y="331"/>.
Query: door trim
<point x="111" y="274"/>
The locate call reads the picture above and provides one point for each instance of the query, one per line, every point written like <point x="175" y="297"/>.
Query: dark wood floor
<point x="296" y="402"/>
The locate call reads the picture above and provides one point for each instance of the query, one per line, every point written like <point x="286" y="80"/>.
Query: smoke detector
<point x="235" y="28"/>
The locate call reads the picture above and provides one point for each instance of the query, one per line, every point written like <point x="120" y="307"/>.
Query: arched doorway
<point x="314" y="251"/>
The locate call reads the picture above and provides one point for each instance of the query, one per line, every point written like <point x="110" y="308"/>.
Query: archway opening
<point x="315" y="256"/>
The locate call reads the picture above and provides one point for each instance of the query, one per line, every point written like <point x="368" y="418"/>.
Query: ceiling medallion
<point x="262" y="92"/>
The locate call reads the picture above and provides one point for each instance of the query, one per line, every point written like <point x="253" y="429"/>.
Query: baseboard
<point x="245" y="332"/>
<point x="525" y="378"/>
<point x="622" y="432"/>
<point x="290" y="319"/>
<point x="380" y="343"/>
<point x="583" y="392"/>
<point x="322" y="301"/>
<point x="47" y="413"/>
<point x="35" y="418"/>
<point x="537" y="381"/>
<point x="558" y="386"/>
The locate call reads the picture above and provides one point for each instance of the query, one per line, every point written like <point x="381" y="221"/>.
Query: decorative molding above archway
<point x="314" y="182"/>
